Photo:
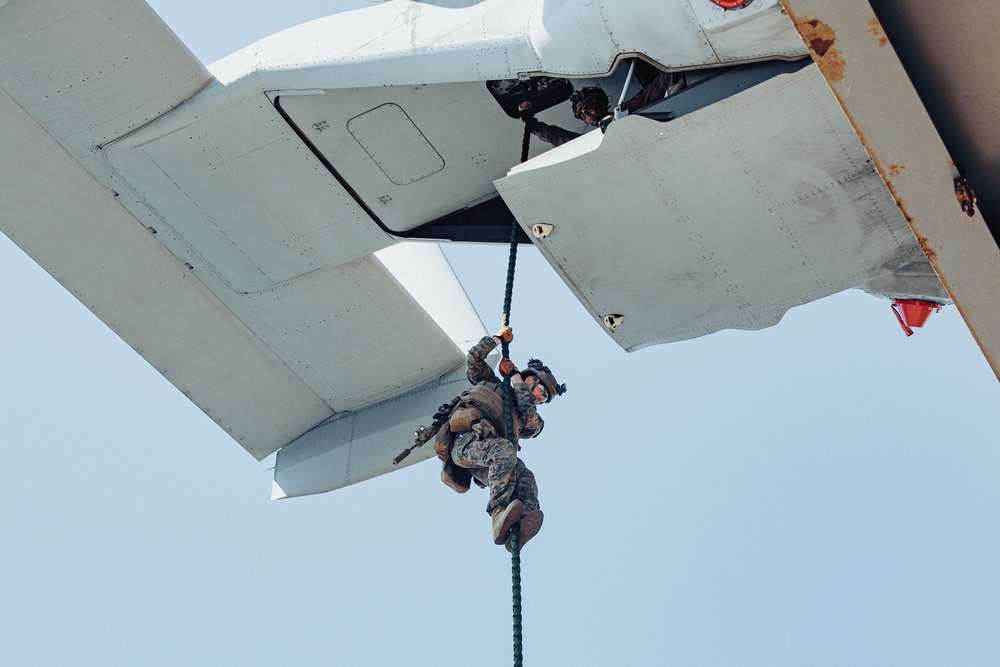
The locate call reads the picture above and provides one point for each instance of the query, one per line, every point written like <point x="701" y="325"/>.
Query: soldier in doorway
<point x="591" y="105"/>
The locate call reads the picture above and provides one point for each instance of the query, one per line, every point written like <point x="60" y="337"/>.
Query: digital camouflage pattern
<point x="552" y="134"/>
<point x="477" y="370"/>
<point x="492" y="460"/>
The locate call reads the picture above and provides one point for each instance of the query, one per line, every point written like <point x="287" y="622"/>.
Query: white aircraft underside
<point x="240" y="227"/>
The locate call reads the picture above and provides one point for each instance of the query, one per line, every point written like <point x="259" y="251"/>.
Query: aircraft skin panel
<point x="245" y="199"/>
<point x="458" y="167"/>
<point x="355" y="446"/>
<point x="91" y="70"/>
<point x="424" y="271"/>
<point x="574" y="38"/>
<point x="76" y="230"/>
<point x="914" y="279"/>
<point x="413" y="43"/>
<point x="712" y="221"/>
<point x="232" y="191"/>
<point x="351" y="332"/>
<point x="756" y="32"/>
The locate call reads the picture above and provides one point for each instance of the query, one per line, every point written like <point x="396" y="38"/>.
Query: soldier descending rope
<point x="476" y="434"/>
<point x="471" y="437"/>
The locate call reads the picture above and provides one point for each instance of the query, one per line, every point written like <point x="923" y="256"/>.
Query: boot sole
<point x="512" y="514"/>
<point x="531" y="523"/>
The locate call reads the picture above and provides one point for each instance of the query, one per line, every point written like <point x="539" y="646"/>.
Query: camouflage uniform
<point x="656" y="90"/>
<point x="552" y="134"/>
<point x="491" y="459"/>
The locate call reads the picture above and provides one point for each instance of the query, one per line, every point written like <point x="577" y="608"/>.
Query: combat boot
<point x="504" y="519"/>
<point x="531" y="523"/>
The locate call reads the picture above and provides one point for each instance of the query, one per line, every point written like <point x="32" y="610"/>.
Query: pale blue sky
<point x="819" y="493"/>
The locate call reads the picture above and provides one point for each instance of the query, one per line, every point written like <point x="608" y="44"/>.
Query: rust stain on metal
<point x="831" y="65"/>
<point x="899" y="202"/>
<point x="821" y="39"/>
<point x="892" y="189"/>
<point x="926" y="246"/>
<point x="929" y="252"/>
<point x="887" y="172"/>
<point x="875" y="30"/>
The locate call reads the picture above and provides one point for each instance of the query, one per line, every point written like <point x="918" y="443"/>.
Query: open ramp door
<point x="722" y="218"/>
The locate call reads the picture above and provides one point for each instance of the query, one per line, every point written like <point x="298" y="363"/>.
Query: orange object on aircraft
<point x="732" y="4"/>
<point x="914" y="313"/>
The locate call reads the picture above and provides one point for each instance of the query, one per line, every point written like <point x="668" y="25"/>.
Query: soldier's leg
<point x="525" y="488"/>
<point x="495" y="454"/>
<point x="526" y="491"/>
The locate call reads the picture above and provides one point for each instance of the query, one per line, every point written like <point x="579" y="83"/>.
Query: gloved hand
<point x="507" y="367"/>
<point x="506" y="334"/>
<point x="525" y="111"/>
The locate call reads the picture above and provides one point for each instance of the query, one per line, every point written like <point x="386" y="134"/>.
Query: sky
<point x="822" y="492"/>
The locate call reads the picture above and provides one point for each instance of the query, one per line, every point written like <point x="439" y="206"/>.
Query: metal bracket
<point x="612" y="321"/>
<point x="541" y="230"/>
<point x="963" y="192"/>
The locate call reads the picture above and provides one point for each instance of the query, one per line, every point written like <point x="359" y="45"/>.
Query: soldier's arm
<point x="476" y="367"/>
<point x="552" y="134"/>
<point x="656" y="89"/>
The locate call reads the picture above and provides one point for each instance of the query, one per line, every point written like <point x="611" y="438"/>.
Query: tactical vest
<point x="479" y="409"/>
<point x="483" y="401"/>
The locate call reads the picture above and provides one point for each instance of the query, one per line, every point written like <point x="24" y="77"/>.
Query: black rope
<point x="508" y="411"/>
<point x="508" y="392"/>
<point x="515" y="566"/>
<point x="508" y="395"/>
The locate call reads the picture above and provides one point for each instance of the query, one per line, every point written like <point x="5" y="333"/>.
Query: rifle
<point x="424" y="433"/>
<point x="420" y="436"/>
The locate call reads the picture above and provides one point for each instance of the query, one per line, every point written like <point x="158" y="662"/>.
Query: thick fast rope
<point x="515" y="566"/>
<point x="508" y="413"/>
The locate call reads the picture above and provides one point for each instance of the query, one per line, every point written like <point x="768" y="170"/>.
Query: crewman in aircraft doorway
<point x="471" y="437"/>
<point x="591" y="105"/>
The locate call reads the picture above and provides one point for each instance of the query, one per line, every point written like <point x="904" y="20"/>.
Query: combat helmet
<point x="594" y="93"/>
<point x="541" y="372"/>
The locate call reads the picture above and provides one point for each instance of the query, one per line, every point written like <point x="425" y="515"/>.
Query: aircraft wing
<point x="268" y="308"/>
<point x="241" y="228"/>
